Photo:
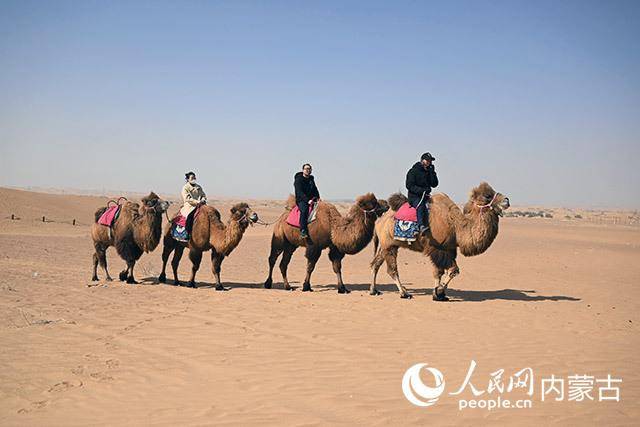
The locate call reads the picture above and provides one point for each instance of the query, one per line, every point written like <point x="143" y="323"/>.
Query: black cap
<point x="427" y="156"/>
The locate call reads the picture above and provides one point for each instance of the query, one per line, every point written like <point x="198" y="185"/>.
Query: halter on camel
<point x="488" y="205"/>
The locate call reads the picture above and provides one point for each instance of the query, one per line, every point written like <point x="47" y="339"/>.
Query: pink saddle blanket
<point x="406" y="213"/>
<point x="109" y="215"/>
<point x="294" y="216"/>
<point x="181" y="220"/>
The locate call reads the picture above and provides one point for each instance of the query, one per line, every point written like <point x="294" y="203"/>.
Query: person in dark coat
<point x="306" y="190"/>
<point x="421" y="178"/>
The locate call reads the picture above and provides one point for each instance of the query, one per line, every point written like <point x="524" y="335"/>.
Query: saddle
<point x="294" y="216"/>
<point x="179" y="226"/>
<point x="109" y="217"/>
<point x="406" y="226"/>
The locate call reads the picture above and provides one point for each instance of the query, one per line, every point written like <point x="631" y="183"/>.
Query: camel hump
<point x="396" y="200"/>
<point x="291" y="202"/>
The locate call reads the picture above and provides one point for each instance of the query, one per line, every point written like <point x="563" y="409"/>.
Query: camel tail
<point x="99" y="213"/>
<point x="396" y="200"/>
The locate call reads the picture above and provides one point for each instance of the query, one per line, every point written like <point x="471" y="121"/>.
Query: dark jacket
<point x="420" y="180"/>
<point x="305" y="188"/>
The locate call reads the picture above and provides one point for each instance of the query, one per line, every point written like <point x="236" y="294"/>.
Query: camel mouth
<point x="253" y="217"/>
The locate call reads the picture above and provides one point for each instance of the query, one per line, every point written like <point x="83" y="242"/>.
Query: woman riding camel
<point x="192" y="197"/>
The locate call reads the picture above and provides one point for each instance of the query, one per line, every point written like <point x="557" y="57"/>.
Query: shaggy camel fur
<point x="136" y="230"/>
<point x="208" y="233"/>
<point x="342" y="235"/>
<point x="472" y="230"/>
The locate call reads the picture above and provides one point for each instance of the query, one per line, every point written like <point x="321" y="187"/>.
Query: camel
<point x="137" y="229"/>
<point x="472" y="230"/>
<point x="208" y="233"/>
<point x="342" y="235"/>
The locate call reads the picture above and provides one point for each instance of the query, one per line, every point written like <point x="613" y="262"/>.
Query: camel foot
<point x="191" y="284"/>
<point x="94" y="279"/>
<point x="406" y="295"/>
<point x="109" y="279"/>
<point x="287" y="287"/>
<point x="162" y="278"/>
<point x="123" y="275"/>
<point x="307" y="287"/>
<point x="177" y="283"/>
<point x="221" y="288"/>
<point x="375" y="292"/>
<point x="343" y="290"/>
<point x="439" y="294"/>
<point x="132" y="281"/>
<point x="268" y="283"/>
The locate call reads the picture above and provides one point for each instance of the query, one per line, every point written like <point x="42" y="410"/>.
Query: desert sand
<point x="560" y="296"/>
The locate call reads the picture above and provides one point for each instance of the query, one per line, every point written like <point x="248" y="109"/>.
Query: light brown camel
<point x="472" y="231"/>
<point x="208" y="233"/>
<point x="137" y="229"/>
<point x="346" y="235"/>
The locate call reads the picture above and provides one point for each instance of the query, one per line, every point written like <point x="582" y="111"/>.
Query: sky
<point x="541" y="98"/>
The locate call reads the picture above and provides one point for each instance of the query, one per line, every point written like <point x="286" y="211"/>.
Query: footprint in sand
<point x="101" y="376"/>
<point x="64" y="386"/>
<point x="112" y="363"/>
<point x="34" y="405"/>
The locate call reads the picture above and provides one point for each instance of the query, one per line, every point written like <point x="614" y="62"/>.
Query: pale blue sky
<point x="540" y="98"/>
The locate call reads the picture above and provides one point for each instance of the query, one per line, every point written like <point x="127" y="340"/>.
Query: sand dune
<point x="558" y="296"/>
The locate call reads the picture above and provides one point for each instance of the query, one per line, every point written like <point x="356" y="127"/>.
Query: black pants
<point x="304" y="214"/>
<point x="421" y="209"/>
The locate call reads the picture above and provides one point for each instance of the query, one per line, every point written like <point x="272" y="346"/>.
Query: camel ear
<point x="233" y="210"/>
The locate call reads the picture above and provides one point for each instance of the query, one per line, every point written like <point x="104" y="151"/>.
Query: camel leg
<point x="175" y="263"/>
<point x="284" y="264"/>
<point x="195" y="256"/>
<point x="95" y="266"/>
<point x="391" y="256"/>
<point x="378" y="259"/>
<point x="102" y="259"/>
<point x="336" y="260"/>
<point x="439" y="291"/>
<point x="130" y="278"/>
<point x="216" y="263"/>
<point x="451" y="273"/>
<point x="276" y="250"/>
<point x="167" y="248"/>
<point x="312" y="254"/>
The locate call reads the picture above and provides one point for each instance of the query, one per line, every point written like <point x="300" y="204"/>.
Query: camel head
<point x="153" y="204"/>
<point x="483" y="198"/>
<point x="370" y="205"/>
<point x="242" y="213"/>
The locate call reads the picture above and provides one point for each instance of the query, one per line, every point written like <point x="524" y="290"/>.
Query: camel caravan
<point x="433" y="225"/>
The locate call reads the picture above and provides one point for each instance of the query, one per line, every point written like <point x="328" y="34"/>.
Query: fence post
<point x="12" y="217"/>
<point x="43" y="219"/>
<point x="74" y="222"/>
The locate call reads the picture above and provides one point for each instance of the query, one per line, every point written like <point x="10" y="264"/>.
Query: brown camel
<point x="472" y="230"/>
<point x="136" y="230"/>
<point x="208" y="233"/>
<point x="342" y="235"/>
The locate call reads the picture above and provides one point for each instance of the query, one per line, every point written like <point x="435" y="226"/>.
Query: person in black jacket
<point x="421" y="178"/>
<point x="306" y="190"/>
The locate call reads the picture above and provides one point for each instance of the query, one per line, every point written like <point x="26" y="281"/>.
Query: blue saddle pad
<point x="179" y="233"/>
<point x="405" y="230"/>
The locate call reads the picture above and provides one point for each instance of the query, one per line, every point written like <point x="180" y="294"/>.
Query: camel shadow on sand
<point x="460" y="295"/>
<point x="456" y="295"/>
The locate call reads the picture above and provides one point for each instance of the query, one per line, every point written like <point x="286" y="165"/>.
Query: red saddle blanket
<point x="294" y="216"/>
<point x="109" y="216"/>
<point x="406" y="213"/>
